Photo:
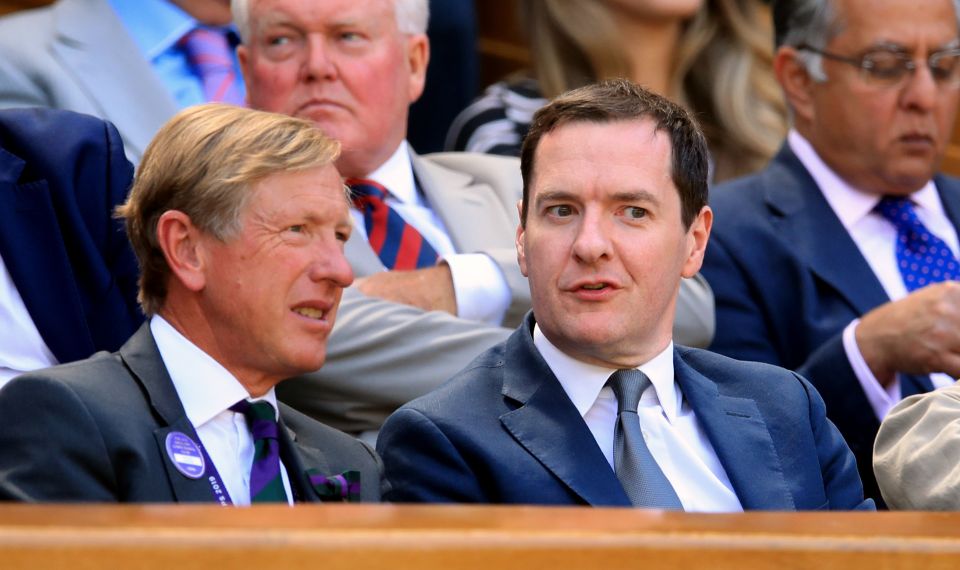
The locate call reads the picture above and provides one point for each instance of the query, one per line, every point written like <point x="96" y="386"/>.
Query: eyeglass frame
<point x="908" y="67"/>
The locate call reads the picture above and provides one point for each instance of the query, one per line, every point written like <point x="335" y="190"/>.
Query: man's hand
<point x="918" y="334"/>
<point x="430" y="289"/>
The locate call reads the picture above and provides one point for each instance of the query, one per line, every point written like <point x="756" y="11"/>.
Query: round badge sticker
<point x="185" y="455"/>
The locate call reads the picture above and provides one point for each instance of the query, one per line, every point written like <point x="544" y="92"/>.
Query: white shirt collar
<point x="583" y="382"/>
<point x="396" y="175"/>
<point x="851" y="204"/>
<point x="204" y="386"/>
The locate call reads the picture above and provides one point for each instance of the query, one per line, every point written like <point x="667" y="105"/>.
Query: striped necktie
<point x="398" y="244"/>
<point x="636" y="468"/>
<point x="209" y="53"/>
<point x="922" y="257"/>
<point x="266" y="483"/>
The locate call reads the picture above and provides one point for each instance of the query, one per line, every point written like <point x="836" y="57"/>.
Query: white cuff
<point x="881" y="399"/>
<point x="482" y="291"/>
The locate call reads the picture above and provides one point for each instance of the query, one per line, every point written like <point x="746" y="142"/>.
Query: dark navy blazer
<point x="504" y="431"/>
<point x="61" y="175"/>
<point x="788" y="278"/>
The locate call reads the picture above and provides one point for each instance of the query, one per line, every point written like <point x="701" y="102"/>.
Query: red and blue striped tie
<point x="266" y="482"/>
<point x="210" y="55"/>
<point x="398" y="244"/>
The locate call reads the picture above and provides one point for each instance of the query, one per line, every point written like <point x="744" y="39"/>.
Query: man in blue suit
<point x="68" y="277"/>
<point x="589" y="401"/>
<point x="828" y="262"/>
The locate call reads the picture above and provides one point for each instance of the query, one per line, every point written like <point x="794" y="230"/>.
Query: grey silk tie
<point x="637" y="470"/>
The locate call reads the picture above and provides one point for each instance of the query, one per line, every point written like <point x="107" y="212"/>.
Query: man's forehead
<point x="326" y="12"/>
<point x="896" y="23"/>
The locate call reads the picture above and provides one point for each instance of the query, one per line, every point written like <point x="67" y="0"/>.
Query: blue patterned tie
<point x="922" y="257"/>
<point x="209" y="53"/>
<point x="398" y="244"/>
<point x="636" y="468"/>
<point x="266" y="483"/>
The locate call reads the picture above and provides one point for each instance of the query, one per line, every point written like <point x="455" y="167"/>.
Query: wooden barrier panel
<point x="360" y="537"/>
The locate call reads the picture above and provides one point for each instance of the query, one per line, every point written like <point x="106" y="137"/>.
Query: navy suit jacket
<point x="788" y="278"/>
<point x="504" y="431"/>
<point x="95" y="431"/>
<point x="61" y="175"/>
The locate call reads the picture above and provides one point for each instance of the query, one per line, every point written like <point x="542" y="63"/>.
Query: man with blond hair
<point x="238" y="219"/>
<point x="353" y="67"/>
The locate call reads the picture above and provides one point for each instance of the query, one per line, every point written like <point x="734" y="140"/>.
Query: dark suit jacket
<point x="61" y="175"/>
<point x="95" y="431"/>
<point x="504" y="431"/>
<point x="788" y="278"/>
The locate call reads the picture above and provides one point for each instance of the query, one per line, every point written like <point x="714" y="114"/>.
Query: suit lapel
<point x="142" y="358"/>
<point x="33" y="251"/>
<point x="550" y="428"/>
<point x="297" y="458"/>
<point x="460" y="202"/>
<point x="740" y="438"/>
<point x="126" y="92"/>
<point x="802" y="215"/>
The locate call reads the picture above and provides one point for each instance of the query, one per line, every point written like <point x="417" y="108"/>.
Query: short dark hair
<point x="623" y="100"/>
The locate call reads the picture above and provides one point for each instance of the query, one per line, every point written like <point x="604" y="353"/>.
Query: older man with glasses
<point x="838" y="260"/>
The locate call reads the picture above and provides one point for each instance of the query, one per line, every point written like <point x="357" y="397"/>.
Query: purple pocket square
<point x="344" y="487"/>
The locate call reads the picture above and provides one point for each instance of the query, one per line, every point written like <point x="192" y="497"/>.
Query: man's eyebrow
<point x="556" y="196"/>
<point x="635" y="196"/>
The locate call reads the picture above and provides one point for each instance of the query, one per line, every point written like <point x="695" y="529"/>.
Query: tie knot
<point x="628" y="385"/>
<point x="261" y="418"/>
<point x="363" y="188"/>
<point x="206" y="47"/>
<point x="898" y="210"/>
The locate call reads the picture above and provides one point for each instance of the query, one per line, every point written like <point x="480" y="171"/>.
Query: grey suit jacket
<point x="382" y="355"/>
<point x="95" y="430"/>
<point x="76" y="55"/>
<point x="916" y="457"/>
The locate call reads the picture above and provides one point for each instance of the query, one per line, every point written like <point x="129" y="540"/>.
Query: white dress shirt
<point x="22" y="349"/>
<point x="670" y="428"/>
<point x="481" y="289"/>
<point x="875" y="237"/>
<point x="207" y="390"/>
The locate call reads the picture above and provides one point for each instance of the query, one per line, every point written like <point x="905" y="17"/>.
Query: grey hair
<point x="412" y="16"/>
<point x="812" y="23"/>
<point x="805" y="22"/>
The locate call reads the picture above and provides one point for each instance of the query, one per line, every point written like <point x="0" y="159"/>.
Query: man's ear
<point x="796" y="82"/>
<point x="181" y="244"/>
<point x="418" y="57"/>
<point x="243" y="58"/>
<point x="698" y="234"/>
<point x="521" y="254"/>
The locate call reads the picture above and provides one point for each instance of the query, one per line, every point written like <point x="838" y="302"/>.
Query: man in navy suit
<point x="68" y="278"/>
<point x="613" y="216"/>
<point x="810" y="269"/>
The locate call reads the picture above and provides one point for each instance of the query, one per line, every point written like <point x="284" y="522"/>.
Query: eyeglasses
<point x="888" y="68"/>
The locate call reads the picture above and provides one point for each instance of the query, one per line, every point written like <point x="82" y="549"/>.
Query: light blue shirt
<point x="156" y="26"/>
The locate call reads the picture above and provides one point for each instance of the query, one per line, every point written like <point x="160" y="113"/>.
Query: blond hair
<point x="723" y="71"/>
<point x="204" y="163"/>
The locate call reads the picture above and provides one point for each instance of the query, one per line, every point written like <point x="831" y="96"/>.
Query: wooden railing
<point x="359" y="537"/>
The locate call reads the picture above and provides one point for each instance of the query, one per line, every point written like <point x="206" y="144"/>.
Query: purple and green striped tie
<point x="266" y="483"/>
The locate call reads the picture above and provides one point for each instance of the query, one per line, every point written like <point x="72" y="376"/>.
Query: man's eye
<point x="297" y="229"/>
<point x="886" y="65"/>
<point x="561" y="211"/>
<point x="635" y="212"/>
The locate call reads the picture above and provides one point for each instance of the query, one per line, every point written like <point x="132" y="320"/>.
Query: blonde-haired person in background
<point x="713" y="56"/>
